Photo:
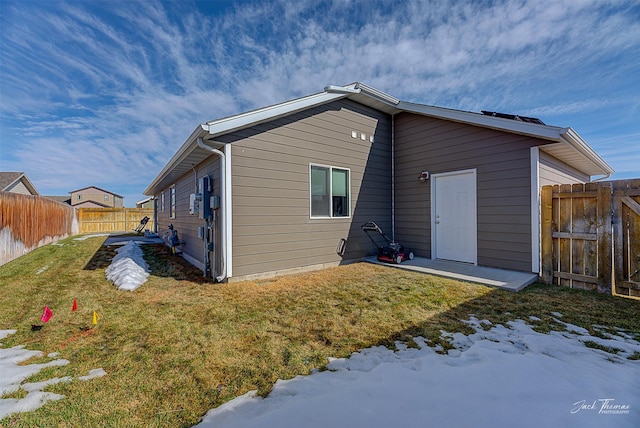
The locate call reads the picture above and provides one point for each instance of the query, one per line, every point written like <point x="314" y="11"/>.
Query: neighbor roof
<point x="566" y="144"/>
<point x="61" y="199"/>
<point x="97" y="188"/>
<point x="8" y="179"/>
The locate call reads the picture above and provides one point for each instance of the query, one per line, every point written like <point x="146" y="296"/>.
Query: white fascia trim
<point x="228" y="211"/>
<point x="187" y="147"/>
<point x="229" y="124"/>
<point x="375" y="93"/>
<point x="570" y="136"/>
<point x="349" y="89"/>
<point x="535" y="209"/>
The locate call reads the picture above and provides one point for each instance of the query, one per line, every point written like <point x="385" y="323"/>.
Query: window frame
<point x="172" y="201"/>
<point x="330" y="169"/>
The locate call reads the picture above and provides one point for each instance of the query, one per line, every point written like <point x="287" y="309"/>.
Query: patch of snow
<point x="94" y="235"/>
<point x="13" y="375"/>
<point x="5" y="333"/>
<point x="128" y="269"/>
<point x="93" y="374"/>
<point x="42" y="269"/>
<point x="505" y="376"/>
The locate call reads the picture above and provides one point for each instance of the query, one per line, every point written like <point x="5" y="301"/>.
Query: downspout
<point x="223" y="222"/>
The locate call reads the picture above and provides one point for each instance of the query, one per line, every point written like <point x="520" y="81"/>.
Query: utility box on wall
<point x="204" y="189"/>
<point x="194" y="203"/>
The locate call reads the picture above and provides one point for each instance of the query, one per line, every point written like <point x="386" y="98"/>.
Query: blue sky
<point x="104" y="92"/>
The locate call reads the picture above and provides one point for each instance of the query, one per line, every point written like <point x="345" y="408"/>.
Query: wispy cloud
<point x="109" y="90"/>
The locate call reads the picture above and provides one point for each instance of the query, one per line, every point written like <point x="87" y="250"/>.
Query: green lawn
<point x="180" y="345"/>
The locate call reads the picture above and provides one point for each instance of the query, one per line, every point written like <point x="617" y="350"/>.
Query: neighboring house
<point x="95" y="197"/>
<point x="145" y="203"/>
<point x="17" y="182"/>
<point x="61" y="199"/>
<point x="292" y="181"/>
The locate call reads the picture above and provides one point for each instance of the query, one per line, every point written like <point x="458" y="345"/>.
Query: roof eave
<point x="547" y="132"/>
<point x="266" y="114"/>
<point x="233" y="123"/>
<point x="594" y="164"/>
<point x="601" y="167"/>
<point x="187" y="147"/>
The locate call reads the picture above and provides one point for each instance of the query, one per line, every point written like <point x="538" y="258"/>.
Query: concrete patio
<point x="499" y="278"/>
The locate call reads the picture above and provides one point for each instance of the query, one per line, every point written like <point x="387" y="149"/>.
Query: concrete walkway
<point x="499" y="278"/>
<point x="122" y="239"/>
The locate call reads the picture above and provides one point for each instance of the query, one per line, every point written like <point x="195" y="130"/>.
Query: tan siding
<point x="19" y="188"/>
<point x="502" y="162"/>
<point x="93" y="194"/>
<point x="272" y="228"/>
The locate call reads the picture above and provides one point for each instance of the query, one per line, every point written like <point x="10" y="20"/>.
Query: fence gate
<point x="590" y="236"/>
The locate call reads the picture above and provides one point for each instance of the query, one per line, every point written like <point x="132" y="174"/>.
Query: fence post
<point x="546" y="238"/>
<point x="605" y="243"/>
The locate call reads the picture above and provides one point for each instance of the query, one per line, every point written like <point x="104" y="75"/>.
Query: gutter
<point x="575" y="140"/>
<point x="220" y="154"/>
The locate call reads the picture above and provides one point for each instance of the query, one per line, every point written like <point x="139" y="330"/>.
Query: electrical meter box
<point x="204" y="189"/>
<point x="194" y="203"/>
<point x="214" y="203"/>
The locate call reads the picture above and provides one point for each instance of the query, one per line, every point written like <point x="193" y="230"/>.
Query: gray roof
<point x="565" y="143"/>
<point x="7" y="179"/>
<point x="61" y="199"/>
<point x="97" y="188"/>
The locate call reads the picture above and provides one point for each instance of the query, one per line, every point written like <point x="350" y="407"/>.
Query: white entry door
<point x="453" y="216"/>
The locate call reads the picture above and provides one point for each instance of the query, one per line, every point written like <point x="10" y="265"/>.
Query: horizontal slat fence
<point x="100" y="220"/>
<point x="590" y="236"/>
<point x="28" y="222"/>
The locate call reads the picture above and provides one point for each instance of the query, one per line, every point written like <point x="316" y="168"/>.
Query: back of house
<point x="286" y="188"/>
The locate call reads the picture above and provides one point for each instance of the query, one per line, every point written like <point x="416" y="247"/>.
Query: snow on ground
<point x="128" y="269"/>
<point x="498" y="377"/>
<point x="12" y="375"/>
<point x="94" y="235"/>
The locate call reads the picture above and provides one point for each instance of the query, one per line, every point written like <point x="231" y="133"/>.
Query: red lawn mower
<point x="390" y="252"/>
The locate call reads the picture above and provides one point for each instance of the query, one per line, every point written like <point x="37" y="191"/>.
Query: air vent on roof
<point x="513" y="117"/>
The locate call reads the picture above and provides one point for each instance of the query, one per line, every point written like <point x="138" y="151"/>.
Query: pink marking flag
<point x="46" y="314"/>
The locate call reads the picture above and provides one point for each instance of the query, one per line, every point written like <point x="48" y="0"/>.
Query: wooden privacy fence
<point x="590" y="236"/>
<point x="28" y="222"/>
<point x="98" y="220"/>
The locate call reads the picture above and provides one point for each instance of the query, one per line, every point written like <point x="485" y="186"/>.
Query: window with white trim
<point x="162" y="201"/>
<point x="172" y="201"/>
<point x="330" y="191"/>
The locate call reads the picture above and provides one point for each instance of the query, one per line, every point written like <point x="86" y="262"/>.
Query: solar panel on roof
<point x="513" y="117"/>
